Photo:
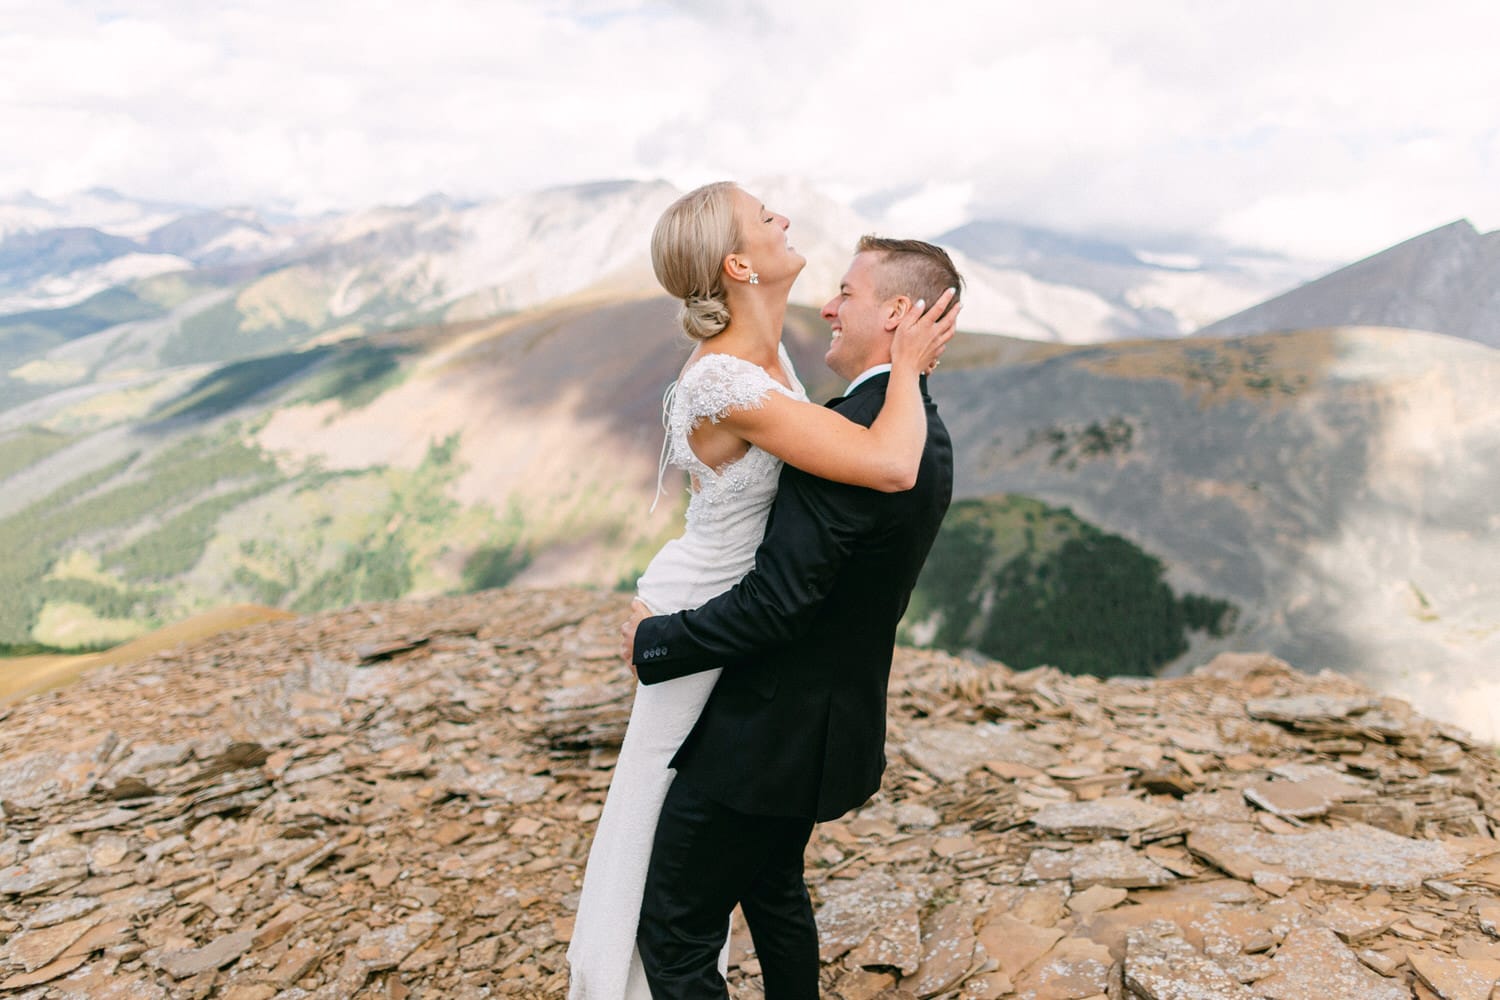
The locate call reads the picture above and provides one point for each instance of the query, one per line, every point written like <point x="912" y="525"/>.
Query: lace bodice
<point x="710" y="389"/>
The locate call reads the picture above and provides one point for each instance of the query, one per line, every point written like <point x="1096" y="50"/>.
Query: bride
<point x="734" y="415"/>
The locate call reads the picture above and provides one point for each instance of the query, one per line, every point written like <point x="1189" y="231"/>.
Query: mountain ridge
<point x="408" y="263"/>
<point x="1330" y="483"/>
<point x="1446" y="281"/>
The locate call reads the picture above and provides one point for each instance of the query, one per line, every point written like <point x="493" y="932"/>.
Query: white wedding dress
<point x="726" y="518"/>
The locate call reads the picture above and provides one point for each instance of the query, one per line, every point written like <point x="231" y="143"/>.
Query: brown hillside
<point x="25" y="675"/>
<point x="396" y="800"/>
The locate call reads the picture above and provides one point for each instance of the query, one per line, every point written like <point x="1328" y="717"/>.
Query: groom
<point x="794" y="732"/>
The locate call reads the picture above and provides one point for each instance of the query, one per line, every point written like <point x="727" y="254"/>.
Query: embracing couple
<point x="762" y="638"/>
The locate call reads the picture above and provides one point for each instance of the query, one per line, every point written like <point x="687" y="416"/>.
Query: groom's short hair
<point x="913" y="268"/>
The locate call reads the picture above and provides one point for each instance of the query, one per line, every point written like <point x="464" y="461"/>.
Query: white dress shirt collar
<point x="865" y="376"/>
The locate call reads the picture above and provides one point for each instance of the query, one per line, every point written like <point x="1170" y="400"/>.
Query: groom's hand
<point x="638" y="613"/>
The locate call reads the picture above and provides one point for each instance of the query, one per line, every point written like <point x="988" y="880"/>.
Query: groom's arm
<point x="814" y="528"/>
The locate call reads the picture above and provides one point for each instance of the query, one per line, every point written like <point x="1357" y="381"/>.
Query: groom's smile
<point x="859" y="338"/>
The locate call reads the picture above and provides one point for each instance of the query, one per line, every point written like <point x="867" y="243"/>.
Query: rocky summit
<point x="396" y="800"/>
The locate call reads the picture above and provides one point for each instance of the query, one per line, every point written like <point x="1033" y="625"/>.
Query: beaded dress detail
<point x="726" y="519"/>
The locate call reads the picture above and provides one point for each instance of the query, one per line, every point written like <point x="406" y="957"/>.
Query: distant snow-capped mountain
<point x="1128" y="291"/>
<point x="215" y="238"/>
<point x="97" y="208"/>
<point x="99" y="284"/>
<point x="1445" y="281"/>
<point x="54" y="255"/>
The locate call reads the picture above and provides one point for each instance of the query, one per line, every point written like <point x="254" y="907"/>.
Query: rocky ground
<point x="396" y="801"/>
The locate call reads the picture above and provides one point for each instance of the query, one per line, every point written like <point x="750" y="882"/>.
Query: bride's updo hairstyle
<point x="688" y="247"/>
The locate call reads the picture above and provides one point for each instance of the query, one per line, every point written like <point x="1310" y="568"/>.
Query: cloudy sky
<point x="1327" y="128"/>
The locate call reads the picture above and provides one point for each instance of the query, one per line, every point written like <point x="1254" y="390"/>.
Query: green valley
<point x="1033" y="585"/>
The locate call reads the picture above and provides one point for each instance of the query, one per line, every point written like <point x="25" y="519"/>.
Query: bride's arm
<point x="884" y="456"/>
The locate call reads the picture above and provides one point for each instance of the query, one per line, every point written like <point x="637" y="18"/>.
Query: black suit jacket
<point x="796" y="724"/>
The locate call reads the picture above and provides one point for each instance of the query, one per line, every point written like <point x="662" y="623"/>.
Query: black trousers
<point x="705" y="859"/>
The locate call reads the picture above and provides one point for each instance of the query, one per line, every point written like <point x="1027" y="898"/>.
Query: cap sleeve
<point x="717" y="385"/>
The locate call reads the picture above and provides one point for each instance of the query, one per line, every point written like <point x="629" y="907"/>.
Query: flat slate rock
<point x="1106" y="863"/>
<point x="950" y="753"/>
<point x="1160" y="965"/>
<point x="1073" y="970"/>
<point x="214" y="955"/>
<point x="948" y="942"/>
<point x="1356" y="855"/>
<point x="1015" y="944"/>
<point x="852" y="910"/>
<point x="1112" y="817"/>
<point x="1313" y="962"/>
<point x="1309" y="708"/>
<point x="1455" y="979"/>
<point x="896" y="943"/>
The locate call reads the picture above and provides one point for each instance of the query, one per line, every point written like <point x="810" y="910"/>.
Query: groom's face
<point x="861" y="323"/>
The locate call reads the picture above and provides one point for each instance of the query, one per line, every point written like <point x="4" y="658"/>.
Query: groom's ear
<point x="893" y="310"/>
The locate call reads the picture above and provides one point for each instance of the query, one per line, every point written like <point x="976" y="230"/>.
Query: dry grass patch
<point x="22" y="676"/>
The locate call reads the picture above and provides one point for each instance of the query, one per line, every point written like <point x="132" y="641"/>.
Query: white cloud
<point x="931" y="208"/>
<point x="1331" y="129"/>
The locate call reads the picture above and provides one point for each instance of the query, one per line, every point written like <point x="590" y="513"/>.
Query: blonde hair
<point x="688" y="247"/>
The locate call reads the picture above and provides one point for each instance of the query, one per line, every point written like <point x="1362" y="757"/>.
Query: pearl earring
<point x="754" y="278"/>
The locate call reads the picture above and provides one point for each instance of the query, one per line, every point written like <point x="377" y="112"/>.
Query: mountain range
<point x="1446" y="281"/>
<point x="101" y="284"/>
<point x="440" y="397"/>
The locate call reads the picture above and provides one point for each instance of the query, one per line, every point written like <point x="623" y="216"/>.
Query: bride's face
<point x="763" y="240"/>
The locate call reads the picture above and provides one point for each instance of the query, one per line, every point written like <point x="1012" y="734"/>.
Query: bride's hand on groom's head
<point x="638" y="613"/>
<point x="923" y="334"/>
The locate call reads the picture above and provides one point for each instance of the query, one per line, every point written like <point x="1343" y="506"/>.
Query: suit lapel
<point x="882" y="380"/>
<point x="868" y="385"/>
